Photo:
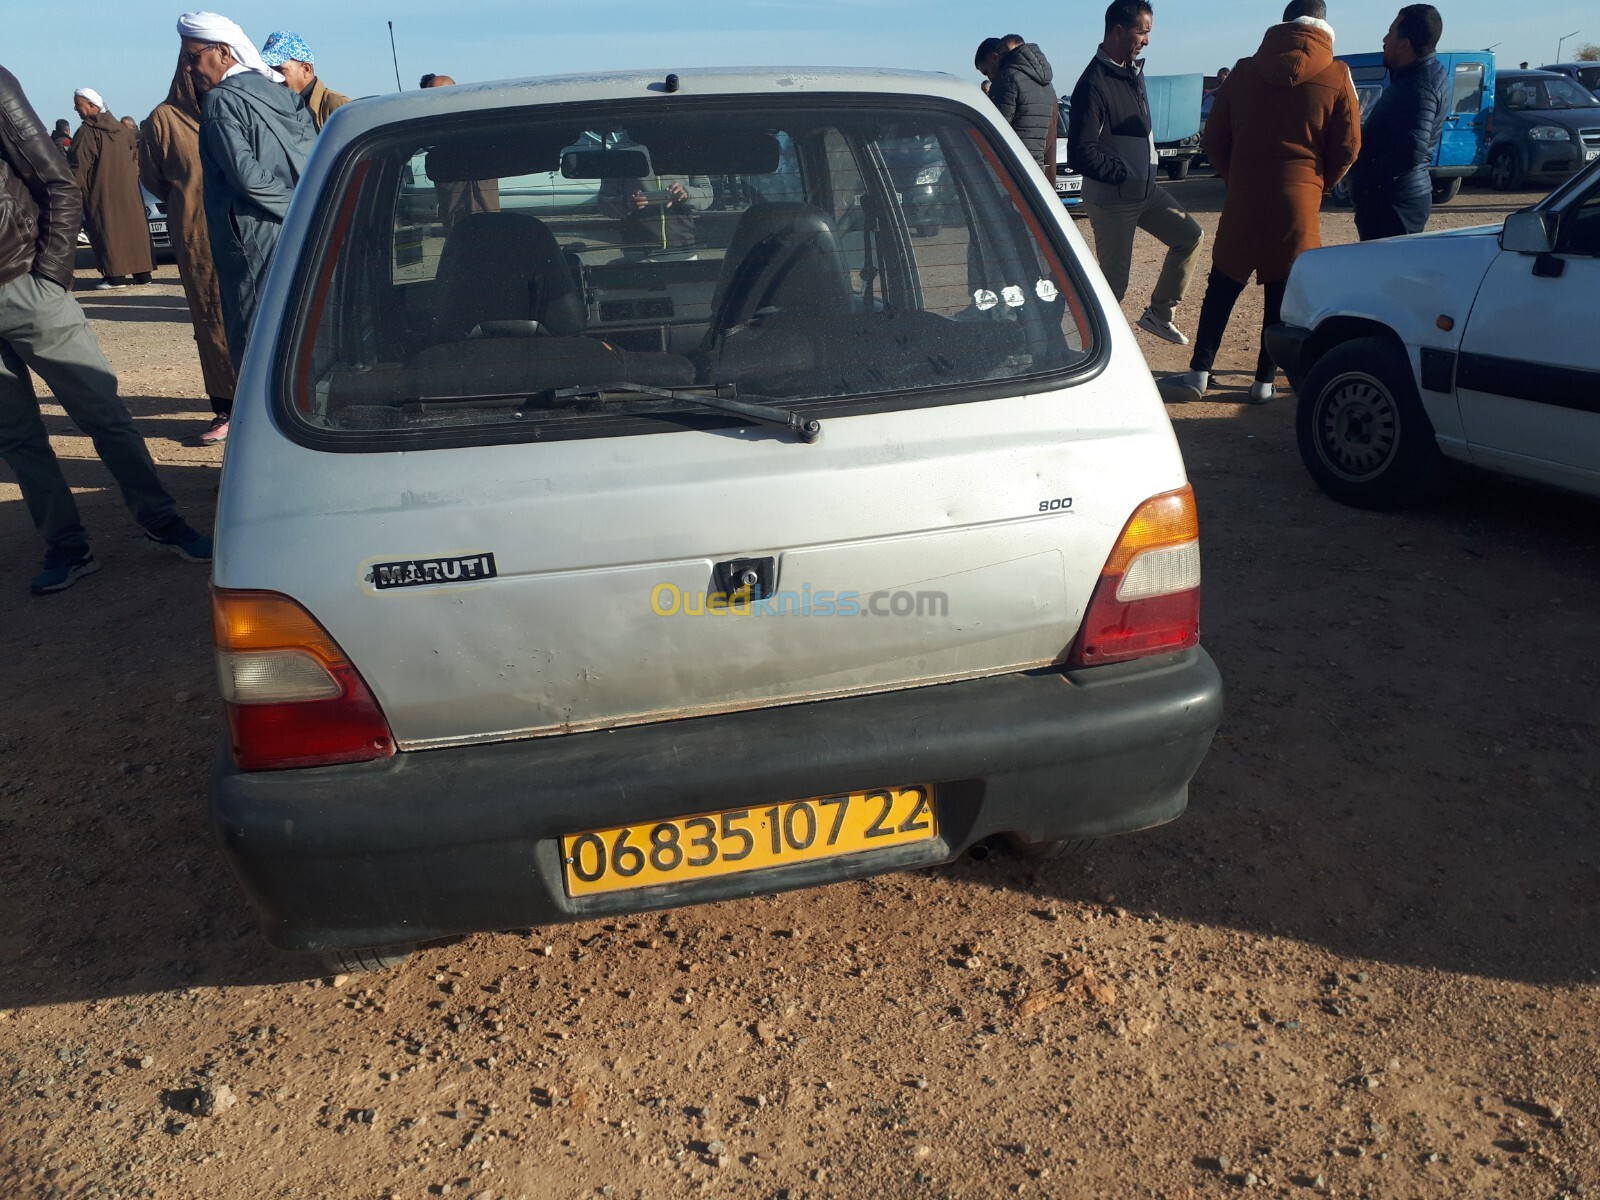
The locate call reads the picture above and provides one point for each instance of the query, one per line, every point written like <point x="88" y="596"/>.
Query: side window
<point x="1469" y="88"/>
<point x="1580" y="230"/>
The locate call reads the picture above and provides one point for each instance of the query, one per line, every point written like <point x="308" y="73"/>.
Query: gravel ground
<point x="1363" y="964"/>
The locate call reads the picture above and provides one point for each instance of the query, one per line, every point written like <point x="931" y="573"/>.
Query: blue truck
<point x="1464" y="144"/>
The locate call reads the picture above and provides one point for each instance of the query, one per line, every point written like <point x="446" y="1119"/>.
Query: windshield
<point x="791" y="255"/>
<point x="1555" y="91"/>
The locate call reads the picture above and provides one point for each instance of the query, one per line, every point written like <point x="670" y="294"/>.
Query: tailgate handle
<point x="745" y="578"/>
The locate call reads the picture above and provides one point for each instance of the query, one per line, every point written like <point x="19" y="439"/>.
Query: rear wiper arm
<point x="762" y="414"/>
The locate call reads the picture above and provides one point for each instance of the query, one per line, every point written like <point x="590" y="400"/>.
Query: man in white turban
<point x="105" y="161"/>
<point x="255" y="136"/>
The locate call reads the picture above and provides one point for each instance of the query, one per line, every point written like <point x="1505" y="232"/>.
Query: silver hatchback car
<point x="730" y="533"/>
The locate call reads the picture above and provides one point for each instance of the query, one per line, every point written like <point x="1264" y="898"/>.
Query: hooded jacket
<point x="169" y="165"/>
<point x="1284" y="128"/>
<point x="105" y="159"/>
<point x="40" y="204"/>
<point x="255" y="136"/>
<point x="1022" y="92"/>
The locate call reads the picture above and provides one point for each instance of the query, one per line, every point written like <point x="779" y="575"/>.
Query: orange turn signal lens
<point x="1169" y="519"/>
<point x="268" y="621"/>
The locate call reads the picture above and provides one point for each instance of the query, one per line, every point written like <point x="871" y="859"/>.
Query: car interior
<point x="545" y="270"/>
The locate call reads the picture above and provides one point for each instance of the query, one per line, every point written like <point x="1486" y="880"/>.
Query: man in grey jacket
<point x="1111" y="144"/>
<point x="255" y="136"/>
<point x="43" y="331"/>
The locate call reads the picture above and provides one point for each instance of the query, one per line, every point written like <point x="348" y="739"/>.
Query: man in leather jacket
<point x="1390" y="184"/>
<point x="43" y="330"/>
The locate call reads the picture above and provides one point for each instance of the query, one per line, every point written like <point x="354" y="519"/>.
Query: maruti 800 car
<point x="574" y="563"/>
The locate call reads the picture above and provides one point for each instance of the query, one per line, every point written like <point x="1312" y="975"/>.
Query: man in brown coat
<point x="1284" y="128"/>
<point x="289" y="54"/>
<point x="105" y="158"/>
<point x="457" y="200"/>
<point x="169" y="165"/>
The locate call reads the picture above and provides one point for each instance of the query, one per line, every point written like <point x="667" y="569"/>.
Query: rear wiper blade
<point x="762" y="414"/>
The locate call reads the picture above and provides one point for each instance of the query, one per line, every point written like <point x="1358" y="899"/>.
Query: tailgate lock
<point x="745" y="578"/>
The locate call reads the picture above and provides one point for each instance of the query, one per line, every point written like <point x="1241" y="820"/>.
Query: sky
<point x="127" y="49"/>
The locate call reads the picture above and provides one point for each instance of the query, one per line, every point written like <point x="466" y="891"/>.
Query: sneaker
<point x="63" y="574"/>
<point x="1165" y="330"/>
<point x="1190" y="386"/>
<point x="182" y="541"/>
<point x="141" y="278"/>
<point x="216" y="432"/>
<point x="1260" y="392"/>
<point x="111" y="284"/>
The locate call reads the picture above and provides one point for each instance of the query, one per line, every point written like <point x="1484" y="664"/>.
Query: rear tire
<point x="361" y="960"/>
<point x="1445" y="190"/>
<point x="1339" y="196"/>
<point x="1363" y="433"/>
<point x="1505" y="169"/>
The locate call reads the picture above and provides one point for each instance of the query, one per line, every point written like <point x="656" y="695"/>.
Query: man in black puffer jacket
<point x="1020" y="79"/>
<point x="1111" y="143"/>
<point x="1390" y="183"/>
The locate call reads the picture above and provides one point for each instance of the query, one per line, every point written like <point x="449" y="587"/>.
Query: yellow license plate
<point x="684" y="849"/>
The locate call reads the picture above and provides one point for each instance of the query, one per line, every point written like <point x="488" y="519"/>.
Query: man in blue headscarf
<point x="255" y="136"/>
<point x="289" y="53"/>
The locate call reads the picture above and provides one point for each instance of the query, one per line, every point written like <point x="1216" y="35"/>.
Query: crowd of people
<point x="1285" y="127"/>
<point x="225" y="149"/>
<point x="222" y="153"/>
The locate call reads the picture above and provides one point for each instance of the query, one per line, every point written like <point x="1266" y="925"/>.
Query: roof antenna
<point x="672" y="83"/>
<point x="398" y="86"/>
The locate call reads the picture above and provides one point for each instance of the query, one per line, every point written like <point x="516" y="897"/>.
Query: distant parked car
<point x="1177" y="114"/>
<point x="1543" y="128"/>
<point x="155" y="212"/>
<point x="1586" y="73"/>
<point x="1466" y="344"/>
<point x="1069" y="184"/>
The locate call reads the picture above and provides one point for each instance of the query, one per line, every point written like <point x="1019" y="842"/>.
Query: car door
<point x="1461" y="139"/>
<point x="1528" y="378"/>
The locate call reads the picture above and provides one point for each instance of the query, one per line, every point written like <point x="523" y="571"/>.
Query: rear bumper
<point x="441" y="842"/>
<point x="1289" y="346"/>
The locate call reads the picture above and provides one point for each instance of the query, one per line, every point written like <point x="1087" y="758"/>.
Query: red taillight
<point x="1148" y="597"/>
<point x="293" y="698"/>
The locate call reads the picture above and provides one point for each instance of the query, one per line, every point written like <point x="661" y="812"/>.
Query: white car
<point x="592" y="564"/>
<point x="1069" y="184"/>
<point x="1477" y="345"/>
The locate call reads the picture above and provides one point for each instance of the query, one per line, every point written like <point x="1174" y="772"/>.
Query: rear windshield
<point x="537" y="271"/>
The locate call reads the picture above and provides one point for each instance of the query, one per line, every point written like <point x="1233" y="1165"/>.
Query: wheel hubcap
<point x="1358" y="427"/>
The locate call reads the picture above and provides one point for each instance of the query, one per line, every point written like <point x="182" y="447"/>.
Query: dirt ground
<point x="1364" y="963"/>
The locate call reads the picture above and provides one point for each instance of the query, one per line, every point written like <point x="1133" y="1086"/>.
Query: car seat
<point x="783" y="255"/>
<point x="504" y="266"/>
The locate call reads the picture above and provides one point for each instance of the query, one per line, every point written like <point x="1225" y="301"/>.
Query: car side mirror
<point x="1528" y="233"/>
